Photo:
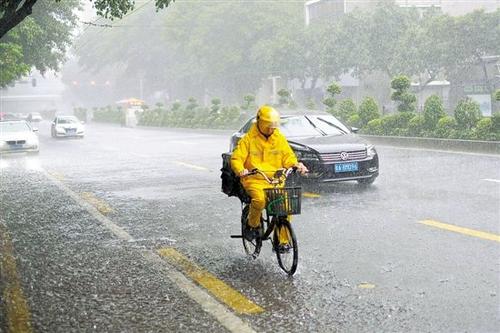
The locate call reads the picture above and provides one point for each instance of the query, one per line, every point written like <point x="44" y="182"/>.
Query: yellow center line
<point x="366" y="285"/>
<point x="100" y="205"/>
<point x="16" y="307"/>
<point x="218" y="288"/>
<point x="311" y="195"/>
<point x="192" y="166"/>
<point x="461" y="230"/>
<point x="57" y="175"/>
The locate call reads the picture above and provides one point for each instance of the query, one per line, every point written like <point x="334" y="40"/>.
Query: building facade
<point x="332" y="9"/>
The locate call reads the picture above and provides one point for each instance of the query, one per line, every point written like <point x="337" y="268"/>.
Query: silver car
<point x="67" y="126"/>
<point x="17" y="136"/>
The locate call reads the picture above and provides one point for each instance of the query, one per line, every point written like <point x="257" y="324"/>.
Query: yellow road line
<point x="218" y="288"/>
<point x="311" y="195"/>
<point x="461" y="230"/>
<point x="192" y="166"/>
<point x="366" y="285"/>
<point x="57" y="175"/>
<point x="100" y="205"/>
<point x="16" y="307"/>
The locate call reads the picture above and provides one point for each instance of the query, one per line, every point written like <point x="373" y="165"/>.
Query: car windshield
<point x="67" y="120"/>
<point x="329" y="125"/>
<point x="9" y="127"/>
<point x="298" y="126"/>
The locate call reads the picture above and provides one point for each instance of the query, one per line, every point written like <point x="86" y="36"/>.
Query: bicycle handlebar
<point x="275" y="180"/>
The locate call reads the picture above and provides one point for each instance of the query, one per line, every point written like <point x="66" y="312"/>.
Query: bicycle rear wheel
<point x="288" y="257"/>
<point x="252" y="248"/>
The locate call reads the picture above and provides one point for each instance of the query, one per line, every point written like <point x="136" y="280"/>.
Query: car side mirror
<point x="354" y="129"/>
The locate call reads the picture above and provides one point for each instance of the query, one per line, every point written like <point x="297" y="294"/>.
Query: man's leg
<point x="256" y="192"/>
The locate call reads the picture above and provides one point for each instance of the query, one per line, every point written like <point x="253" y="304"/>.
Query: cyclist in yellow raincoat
<point x="265" y="148"/>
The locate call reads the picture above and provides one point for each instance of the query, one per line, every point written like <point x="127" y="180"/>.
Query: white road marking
<point x="492" y="180"/>
<point x="225" y="317"/>
<point x="141" y="155"/>
<point x="192" y="166"/>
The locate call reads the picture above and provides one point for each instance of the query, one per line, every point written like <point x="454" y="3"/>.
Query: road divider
<point x="15" y="305"/>
<point x="222" y="291"/>
<point x="461" y="230"/>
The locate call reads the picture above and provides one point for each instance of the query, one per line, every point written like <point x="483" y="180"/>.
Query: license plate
<point x="346" y="167"/>
<point x="13" y="147"/>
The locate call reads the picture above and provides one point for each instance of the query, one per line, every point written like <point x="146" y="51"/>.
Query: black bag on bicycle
<point x="230" y="182"/>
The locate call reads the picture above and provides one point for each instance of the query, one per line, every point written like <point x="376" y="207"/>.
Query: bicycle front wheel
<point x="252" y="248"/>
<point x="287" y="253"/>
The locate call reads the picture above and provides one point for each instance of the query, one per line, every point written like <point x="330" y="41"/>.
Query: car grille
<point x="18" y="142"/>
<point x="337" y="157"/>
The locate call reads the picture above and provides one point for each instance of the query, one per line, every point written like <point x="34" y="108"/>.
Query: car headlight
<point x="370" y="151"/>
<point x="306" y="155"/>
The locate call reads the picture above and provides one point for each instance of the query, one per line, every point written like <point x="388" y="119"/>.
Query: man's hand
<point x="244" y="173"/>
<point x="301" y="168"/>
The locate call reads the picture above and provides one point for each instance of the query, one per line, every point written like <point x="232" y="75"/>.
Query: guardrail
<point x="488" y="147"/>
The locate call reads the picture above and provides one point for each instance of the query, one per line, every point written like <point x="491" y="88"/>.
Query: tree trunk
<point x="12" y="17"/>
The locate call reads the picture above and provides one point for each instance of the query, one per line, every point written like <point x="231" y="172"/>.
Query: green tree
<point x="467" y="114"/>
<point x="40" y="41"/>
<point x="417" y="126"/>
<point x="401" y="84"/>
<point x="13" y="12"/>
<point x="368" y="110"/>
<point x="433" y="111"/>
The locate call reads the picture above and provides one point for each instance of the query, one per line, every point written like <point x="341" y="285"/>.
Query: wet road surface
<point x="82" y="225"/>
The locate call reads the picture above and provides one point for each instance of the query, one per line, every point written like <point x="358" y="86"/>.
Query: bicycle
<point x="280" y="203"/>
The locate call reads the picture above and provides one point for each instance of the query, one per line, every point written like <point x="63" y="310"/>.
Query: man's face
<point x="267" y="127"/>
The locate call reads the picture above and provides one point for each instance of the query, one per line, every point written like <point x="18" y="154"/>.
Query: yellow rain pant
<point x="255" y="189"/>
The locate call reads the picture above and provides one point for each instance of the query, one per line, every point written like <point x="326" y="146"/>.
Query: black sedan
<point x="330" y="150"/>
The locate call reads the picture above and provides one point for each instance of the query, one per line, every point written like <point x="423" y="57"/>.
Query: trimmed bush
<point x="433" y="111"/>
<point x="345" y="110"/>
<point x="417" y="126"/>
<point x="407" y="101"/>
<point x="397" y="123"/>
<point x="368" y="110"/>
<point x="484" y="130"/>
<point x="446" y="127"/>
<point x="355" y="121"/>
<point x="467" y="114"/>
<point x="374" y="127"/>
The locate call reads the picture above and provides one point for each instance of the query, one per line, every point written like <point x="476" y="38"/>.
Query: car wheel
<point x="366" y="181"/>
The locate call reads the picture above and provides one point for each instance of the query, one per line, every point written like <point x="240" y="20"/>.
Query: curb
<point x="487" y="147"/>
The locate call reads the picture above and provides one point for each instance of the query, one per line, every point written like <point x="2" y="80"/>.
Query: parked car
<point x="67" y="126"/>
<point x="34" y="117"/>
<point x="330" y="149"/>
<point x="9" y="116"/>
<point x="18" y="136"/>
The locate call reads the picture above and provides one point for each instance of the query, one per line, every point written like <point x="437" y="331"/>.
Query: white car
<point x="67" y="126"/>
<point x="17" y="136"/>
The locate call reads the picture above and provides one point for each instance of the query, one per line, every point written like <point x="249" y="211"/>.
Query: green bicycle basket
<point x="283" y="201"/>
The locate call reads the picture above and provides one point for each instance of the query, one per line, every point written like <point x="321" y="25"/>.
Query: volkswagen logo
<point x="344" y="156"/>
